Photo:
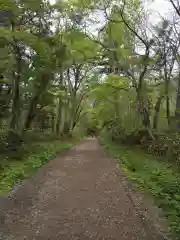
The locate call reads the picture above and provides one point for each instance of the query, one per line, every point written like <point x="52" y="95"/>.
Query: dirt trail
<point x="79" y="195"/>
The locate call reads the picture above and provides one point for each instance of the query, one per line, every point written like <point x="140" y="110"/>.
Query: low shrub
<point x="163" y="145"/>
<point x="15" y="171"/>
<point x="167" y="146"/>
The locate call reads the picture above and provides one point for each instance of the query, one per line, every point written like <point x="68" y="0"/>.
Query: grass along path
<point x="157" y="178"/>
<point x="17" y="170"/>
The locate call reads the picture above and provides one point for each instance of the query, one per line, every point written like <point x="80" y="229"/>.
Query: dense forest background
<point x="77" y="68"/>
<point x="58" y="73"/>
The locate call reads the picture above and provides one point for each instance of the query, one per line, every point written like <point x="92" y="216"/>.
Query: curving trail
<point x="79" y="195"/>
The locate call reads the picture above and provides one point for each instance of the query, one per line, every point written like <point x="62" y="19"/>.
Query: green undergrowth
<point x="153" y="176"/>
<point x="17" y="170"/>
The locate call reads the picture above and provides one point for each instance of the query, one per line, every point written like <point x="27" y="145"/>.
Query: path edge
<point x="150" y="215"/>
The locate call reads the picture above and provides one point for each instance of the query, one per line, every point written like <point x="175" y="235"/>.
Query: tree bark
<point x="14" y="124"/>
<point x="52" y="122"/>
<point x="142" y="109"/>
<point x="168" y="110"/>
<point x="31" y="111"/>
<point x="177" y="111"/>
<point x="156" y="112"/>
<point x="45" y="78"/>
<point x="58" y="120"/>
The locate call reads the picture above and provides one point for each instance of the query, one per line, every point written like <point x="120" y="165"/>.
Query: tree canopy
<point x="65" y="62"/>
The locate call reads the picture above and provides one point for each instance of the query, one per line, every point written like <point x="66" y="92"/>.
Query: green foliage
<point x="115" y="108"/>
<point x="51" y="78"/>
<point x="16" y="171"/>
<point x="166" y="145"/>
<point x="153" y="176"/>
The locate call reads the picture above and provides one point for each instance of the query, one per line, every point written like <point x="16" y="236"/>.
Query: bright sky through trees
<point x="155" y="8"/>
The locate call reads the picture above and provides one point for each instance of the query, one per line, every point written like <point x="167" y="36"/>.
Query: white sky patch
<point x="157" y="9"/>
<point x="52" y="1"/>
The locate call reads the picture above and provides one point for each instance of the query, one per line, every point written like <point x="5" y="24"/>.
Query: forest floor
<point x="81" y="194"/>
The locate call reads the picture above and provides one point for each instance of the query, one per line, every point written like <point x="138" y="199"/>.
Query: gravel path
<point x="79" y="195"/>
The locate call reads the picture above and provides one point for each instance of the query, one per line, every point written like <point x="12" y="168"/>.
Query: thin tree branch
<point x="175" y="7"/>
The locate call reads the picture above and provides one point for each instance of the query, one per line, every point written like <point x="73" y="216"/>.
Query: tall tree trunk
<point x="167" y="80"/>
<point x="14" y="124"/>
<point x="35" y="99"/>
<point x="156" y="112"/>
<point x="58" y="120"/>
<point x="142" y="109"/>
<point x="31" y="111"/>
<point x="15" y="106"/>
<point x="177" y="111"/>
<point x="52" y="122"/>
<point x="77" y="119"/>
<point x="5" y="103"/>
<point x="77" y="112"/>
<point x="13" y="138"/>
<point x="66" y="119"/>
<point x="59" y="110"/>
<point x="168" y="110"/>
